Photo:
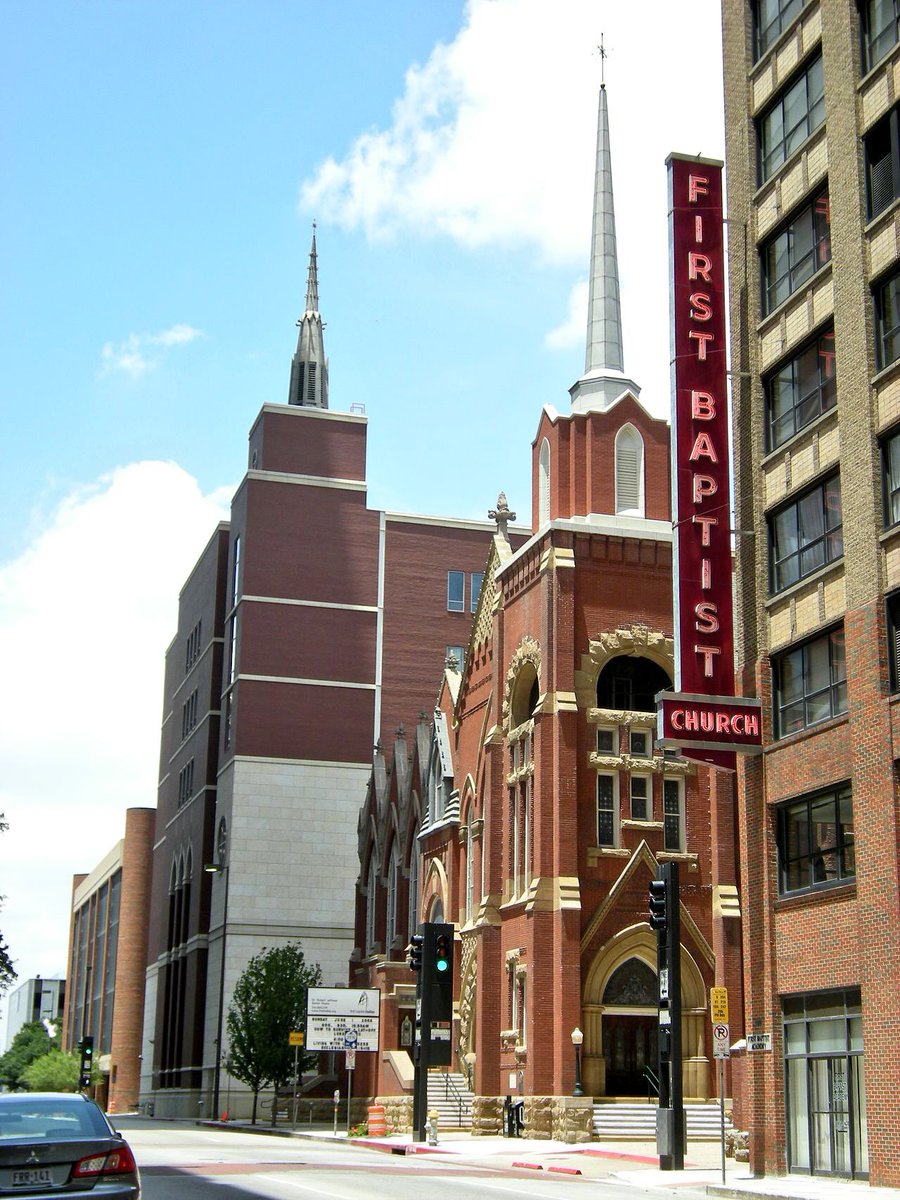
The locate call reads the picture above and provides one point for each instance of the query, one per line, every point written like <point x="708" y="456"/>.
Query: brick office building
<point x="310" y="623"/>
<point x="814" y="233"/>
<point x="544" y="804"/>
<point x="107" y="958"/>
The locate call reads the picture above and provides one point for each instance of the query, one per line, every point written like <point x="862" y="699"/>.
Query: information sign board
<point x="759" y="1041"/>
<point x="342" y="1018"/>
<point x="718" y="1005"/>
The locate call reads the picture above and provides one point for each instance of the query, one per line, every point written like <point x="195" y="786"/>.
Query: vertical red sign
<point x="701" y="467"/>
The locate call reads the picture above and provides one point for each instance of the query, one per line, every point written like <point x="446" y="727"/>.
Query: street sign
<point x="759" y="1041"/>
<point x="718" y="1005"/>
<point x="295" y="1037"/>
<point x="350" y="1059"/>
<point x="351" y="1037"/>
<point x="721" y="1040"/>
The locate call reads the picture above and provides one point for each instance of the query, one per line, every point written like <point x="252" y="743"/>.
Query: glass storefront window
<point x="825" y="1084"/>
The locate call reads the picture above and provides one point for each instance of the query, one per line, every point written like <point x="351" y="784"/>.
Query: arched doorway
<point x="630" y="1027"/>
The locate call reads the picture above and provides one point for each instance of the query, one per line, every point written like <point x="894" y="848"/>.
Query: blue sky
<point x="163" y="165"/>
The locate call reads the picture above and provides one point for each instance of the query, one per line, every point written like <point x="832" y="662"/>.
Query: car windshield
<point x="50" y="1120"/>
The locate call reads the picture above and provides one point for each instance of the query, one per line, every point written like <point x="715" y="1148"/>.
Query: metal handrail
<point x="461" y="1102"/>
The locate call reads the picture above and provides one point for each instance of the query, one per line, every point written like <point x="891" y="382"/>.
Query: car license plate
<point x="36" y="1177"/>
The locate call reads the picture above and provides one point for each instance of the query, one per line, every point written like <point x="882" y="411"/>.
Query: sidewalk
<point x="633" y="1162"/>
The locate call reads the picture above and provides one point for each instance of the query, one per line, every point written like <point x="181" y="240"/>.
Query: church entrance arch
<point x="620" y="1021"/>
<point x="630" y="1024"/>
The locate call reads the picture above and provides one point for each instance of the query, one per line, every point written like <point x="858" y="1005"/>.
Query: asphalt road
<point x="180" y="1161"/>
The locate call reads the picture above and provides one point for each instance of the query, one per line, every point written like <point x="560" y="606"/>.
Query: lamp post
<point x="577" y="1039"/>
<point x="220" y="868"/>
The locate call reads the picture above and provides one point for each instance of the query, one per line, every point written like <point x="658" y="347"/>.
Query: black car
<point x="60" y="1142"/>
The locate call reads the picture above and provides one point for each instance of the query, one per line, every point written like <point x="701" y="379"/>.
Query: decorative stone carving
<point x="635" y="639"/>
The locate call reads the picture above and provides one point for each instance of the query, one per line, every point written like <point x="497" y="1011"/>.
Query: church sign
<point x="703" y="713"/>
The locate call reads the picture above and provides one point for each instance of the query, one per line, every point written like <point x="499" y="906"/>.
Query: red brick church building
<point x="532" y="806"/>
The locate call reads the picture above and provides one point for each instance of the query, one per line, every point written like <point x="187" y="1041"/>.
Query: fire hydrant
<point x="431" y="1125"/>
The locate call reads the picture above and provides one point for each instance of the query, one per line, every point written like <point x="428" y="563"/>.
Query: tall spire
<point x="309" y="367"/>
<point x="603" y="380"/>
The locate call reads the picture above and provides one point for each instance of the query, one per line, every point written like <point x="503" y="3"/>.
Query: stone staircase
<point x="448" y="1092"/>
<point x="616" y="1121"/>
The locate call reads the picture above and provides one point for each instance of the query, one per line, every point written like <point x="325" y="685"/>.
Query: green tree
<point x="7" y="971"/>
<point x="31" y="1042"/>
<point x="53" y="1072"/>
<point x="269" y="1001"/>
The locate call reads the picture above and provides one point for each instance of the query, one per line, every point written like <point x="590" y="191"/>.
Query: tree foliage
<point x="31" y="1042"/>
<point x="269" y="1001"/>
<point x="7" y="971"/>
<point x="53" y="1072"/>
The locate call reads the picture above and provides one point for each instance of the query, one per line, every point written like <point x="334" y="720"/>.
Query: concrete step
<point x="624" y="1120"/>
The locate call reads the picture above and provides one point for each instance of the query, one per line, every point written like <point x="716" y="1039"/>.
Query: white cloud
<point x="86" y="613"/>
<point x="573" y="328"/>
<point x="492" y="141"/>
<point x="138" y="353"/>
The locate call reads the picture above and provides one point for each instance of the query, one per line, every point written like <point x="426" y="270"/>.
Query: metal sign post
<point x="351" y="1058"/>
<point x="718" y="1007"/>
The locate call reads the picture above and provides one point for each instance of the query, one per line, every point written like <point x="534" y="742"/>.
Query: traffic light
<point x="659" y="911"/>
<point x="414" y="952"/>
<point x="443" y="955"/>
<point x="86" y="1046"/>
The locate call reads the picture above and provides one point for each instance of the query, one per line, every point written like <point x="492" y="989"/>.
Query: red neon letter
<point x="702" y="338"/>
<point x="704" y="485"/>
<point x="703" y="448"/>
<point x="698" y="228"/>
<point x="698" y="185"/>
<point x="699" y="266"/>
<point x="703" y="406"/>
<point x="705" y="523"/>
<point x="708" y="653"/>
<point x="701" y="306"/>
<point x="706" y="613"/>
<point x="677" y="719"/>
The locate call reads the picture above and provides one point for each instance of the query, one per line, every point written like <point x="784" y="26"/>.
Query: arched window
<point x="544" y="483"/>
<point x="412" y="916"/>
<point x="392" y="881"/>
<point x="631" y="683"/>
<point x="629" y="472"/>
<point x="371" y="879"/>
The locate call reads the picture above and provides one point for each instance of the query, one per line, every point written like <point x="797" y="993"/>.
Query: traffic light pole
<point x="665" y="918"/>
<point x="431" y="956"/>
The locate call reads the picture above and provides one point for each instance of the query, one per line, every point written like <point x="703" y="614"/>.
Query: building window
<point x="185" y="783"/>
<point x="371" y="883"/>
<point x="673" y="815"/>
<point x="825" y="1093"/>
<point x="796" y="252"/>
<point x="640" y="743"/>
<point x="456" y="591"/>
<point x="475" y="582"/>
<point x="192" y="649"/>
<point x="392" y="885"/>
<point x="806" y="534"/>
<point x="629" y="471"/>
<point x="607" y="810"/>
<point x="640" y="798"/>
<point x="544" y="483"/>
<point x="892" y="604"/>
<point x="882" y="145"/>
<point x="810" y="683"/>
<point x="412" y="912"/>
<point x="608" y="739"/>
<point x="887" y="322"/>
<point x="770" y="19"/>
<point x="890" y="458"/>
<point x="235" y="571"/>
<point x="800" y="391"/>
<point x="815" y="841"/>
<point x="798" y="112"/>
<point x="630" y="684"/>
<point x="880" y="28"/>
<point x="189" y="714"/>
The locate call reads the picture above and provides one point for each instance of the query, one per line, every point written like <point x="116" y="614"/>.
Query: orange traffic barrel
<point x="377" y="1123"/>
